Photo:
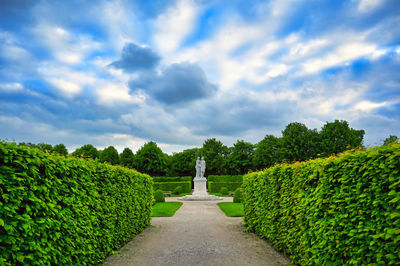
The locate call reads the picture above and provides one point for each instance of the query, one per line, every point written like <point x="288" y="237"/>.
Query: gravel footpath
<point x="198" y="234"/>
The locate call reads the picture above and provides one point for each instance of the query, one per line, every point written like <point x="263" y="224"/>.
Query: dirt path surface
<point x="198" y="234"/>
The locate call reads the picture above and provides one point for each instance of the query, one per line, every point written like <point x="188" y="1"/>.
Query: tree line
<point x="298" y="143"/>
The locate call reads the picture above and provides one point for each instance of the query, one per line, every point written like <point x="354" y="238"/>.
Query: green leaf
<point x="20" y="257"/>
<point x="393" y="215"/>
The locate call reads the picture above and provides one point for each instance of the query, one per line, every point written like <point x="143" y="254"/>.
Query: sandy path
<point x="198" y="234"/>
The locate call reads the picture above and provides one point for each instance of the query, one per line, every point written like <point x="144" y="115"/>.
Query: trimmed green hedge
<point x="67" y="211"/>
<point x="170" y="186"/>
<point x="225" y="178"/>
<point x="215" y="187"/>
<point x="172" y="179"/>
<point x="334" y="211"/>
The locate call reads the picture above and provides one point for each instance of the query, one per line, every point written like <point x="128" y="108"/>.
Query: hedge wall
<point x="215" y="187"/>
<point x="67" y="211"/>
<point x="172" y="179"/>
<point x="170" y="186"/>
<point x="225" y="178"/>
<point x="339" y="210"/>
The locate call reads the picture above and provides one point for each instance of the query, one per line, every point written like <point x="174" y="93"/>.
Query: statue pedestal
<point x="200" y="191"/>
<point x="200" y="187"/>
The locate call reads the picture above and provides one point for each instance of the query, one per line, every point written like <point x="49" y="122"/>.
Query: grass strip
<point x="232" y="209"/>
<point x="165" y="209"/>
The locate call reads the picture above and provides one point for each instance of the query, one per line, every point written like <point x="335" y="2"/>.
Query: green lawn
<point x="165" y="209"/>
<point x="232" y="209"/>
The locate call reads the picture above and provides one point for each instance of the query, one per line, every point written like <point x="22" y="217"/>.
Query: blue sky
<point x="178" y="72"/>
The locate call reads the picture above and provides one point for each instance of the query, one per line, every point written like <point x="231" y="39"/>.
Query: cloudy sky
<point x="178" y="72"/>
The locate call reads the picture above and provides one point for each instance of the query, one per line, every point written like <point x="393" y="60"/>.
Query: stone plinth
<point x="200" y="191"/>
<point x="200" y="187"/>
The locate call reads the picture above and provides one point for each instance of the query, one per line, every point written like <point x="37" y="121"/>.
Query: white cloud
<point x="341" y="55"/>
<point x="172" y="27"/>
<point x="67" y="47"/>
<point x="215" y="54"/>
<point x="11" y="86"/>
<point x="67" y="81"/>
<point x="368" y="5"/>
<point x="280" y="7"/>
<point x="367" y="106"/>
<point x="116" y="93"/>
<point x="69" y="88"/>
<point x="118" y="17"/>
<point x="121" y="141"/>
<point x="378" y="53"/>
<point x="303" y="49"/>
<point x="14" y="53"/>
<point x="160" y="124"/>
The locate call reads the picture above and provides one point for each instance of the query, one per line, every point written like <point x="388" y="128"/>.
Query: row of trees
<point x="298" y="143"/>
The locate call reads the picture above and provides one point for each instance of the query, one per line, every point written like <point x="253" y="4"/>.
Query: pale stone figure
<point x="198" y="167"/>
<point x="203" y="167"/>
<point x="200" y="184"/>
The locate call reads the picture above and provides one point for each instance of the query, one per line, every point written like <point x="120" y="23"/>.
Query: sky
<point x="123" y="73"/>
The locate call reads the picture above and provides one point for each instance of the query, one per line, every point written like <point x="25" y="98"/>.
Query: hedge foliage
<point x="159" y="196"/>
<point x="237" y="196"/>
<point x="67" y="211"/>
<point x="170" y="186"/>
<point x="178" y="190"/>
<point x="224" y="191"/>
<point x="334" y="211"/>
<point x="225" y="178"/>
<point x="172" y="178"/>
<point x="215" y="187"/>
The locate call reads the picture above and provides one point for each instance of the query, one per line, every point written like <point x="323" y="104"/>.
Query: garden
<point x="341" y="209"/>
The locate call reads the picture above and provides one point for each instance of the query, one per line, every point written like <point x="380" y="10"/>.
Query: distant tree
<point x="110" y="155"/>
<point x="240" y="158"/>
<point x="183" y="163"/>
<point x="41" y="146"/>
<point x="126" y="158"/>
<point x="86" y="151"/>
<point x="296" y="139"/>
<point x="214" y="153"/>
<point x="268" y="152"/>
<point x="29" y="144"/>
<point x="337" y="137"/>
<point x="60" y="149"/>
<point x="390" y="139"/>
<point x="45" y="147"/>
<point x="151" y="160"/>
<point x="313" y="147"/>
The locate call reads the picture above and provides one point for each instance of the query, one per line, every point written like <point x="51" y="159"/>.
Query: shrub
<point x="224" y="191"/>
<point x="159" y="196"/>
<point x="225" y="178"/>
<point x="333" y="211"/>
<point x="215" y="187"/>
<point x="66" y="210"/>
<point x="178" y="190"/>
<point x="237" y="196"/>
<point x="170" y="186"/>
<point x="172" y="178"/>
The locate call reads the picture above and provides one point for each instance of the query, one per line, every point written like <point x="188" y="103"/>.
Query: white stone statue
<point x="203" y="167"/>
<point x="198" y="168"/>
<point x="200" y="184"/>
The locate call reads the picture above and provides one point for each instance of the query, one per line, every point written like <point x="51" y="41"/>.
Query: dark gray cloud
<point x="135" y="58"/>
<point x="177" y="84"/>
